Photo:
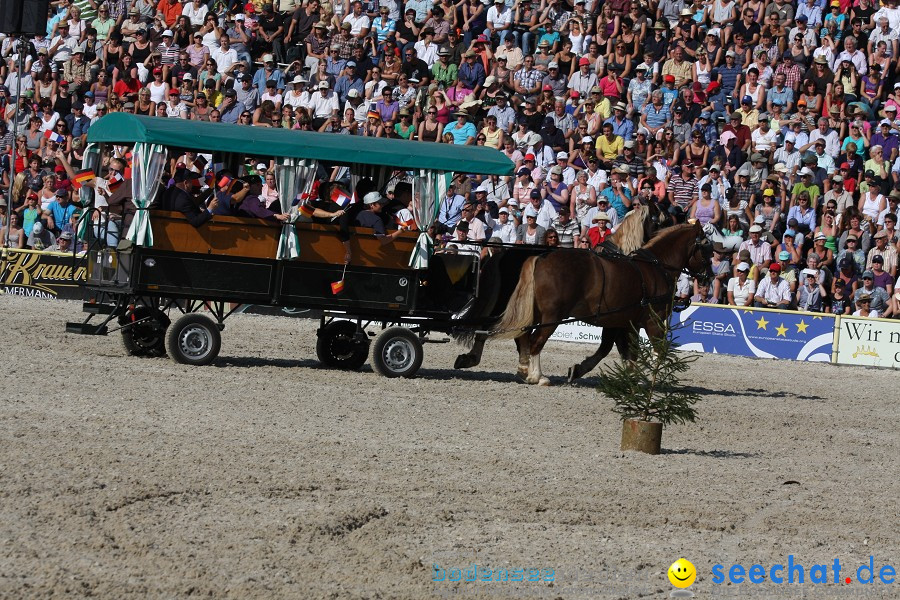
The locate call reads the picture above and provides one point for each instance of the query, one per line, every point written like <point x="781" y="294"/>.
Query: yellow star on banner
<point x="801" y="327"/>
<point x="782" y="331"/>
<point x="761" y="324"/>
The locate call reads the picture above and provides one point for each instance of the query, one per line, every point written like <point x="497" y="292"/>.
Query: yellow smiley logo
<point x="682" y="573"/>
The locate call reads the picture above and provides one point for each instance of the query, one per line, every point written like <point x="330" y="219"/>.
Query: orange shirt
<point x="170" y="12"/>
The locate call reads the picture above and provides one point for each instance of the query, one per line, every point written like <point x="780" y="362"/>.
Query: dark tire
<point x="147" y="338"/>
<point x="339" y="347"/>
<point x="397" y="352"/>
<point x="194" y="340"/>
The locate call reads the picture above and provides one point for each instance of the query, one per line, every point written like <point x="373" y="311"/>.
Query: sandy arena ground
<point x="265" y="476"/>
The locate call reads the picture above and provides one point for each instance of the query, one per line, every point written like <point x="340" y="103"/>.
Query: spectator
<point x="741" y="289"/>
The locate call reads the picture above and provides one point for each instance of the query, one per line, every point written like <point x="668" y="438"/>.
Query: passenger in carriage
<point x="254" y="205"/>
<point x="368" y="213"/>
<point x="230" y="192"/>
<point x="179" y="198"/>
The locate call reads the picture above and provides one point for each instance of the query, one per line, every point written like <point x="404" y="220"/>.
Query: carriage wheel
<point x="339" y="346"/>
<point x="194" y="340"/>
<point x="149" y="337"/>
<point x="397" y="352"/>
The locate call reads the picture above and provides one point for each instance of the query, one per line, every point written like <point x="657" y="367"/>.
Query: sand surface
<point x="266" y="476"/>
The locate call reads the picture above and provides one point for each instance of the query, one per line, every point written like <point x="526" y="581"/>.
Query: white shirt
<point x="832" y="143"/>
<point x="427" y="53"/>
<point x="741" y="292"/>
<point x="323" y="106"/>
<point x="224" y="59"/>
<point x="858" y="59"/>
<point x="357" y="24"/>
<point x="764" y="141"/>
<point x="506" y="232"/>
<point x="499" y="18"/>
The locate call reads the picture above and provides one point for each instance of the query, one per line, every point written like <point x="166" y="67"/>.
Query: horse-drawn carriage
<point x="164" y="266"/>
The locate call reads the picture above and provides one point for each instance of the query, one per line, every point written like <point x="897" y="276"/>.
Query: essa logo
<point x="712" y="327"/>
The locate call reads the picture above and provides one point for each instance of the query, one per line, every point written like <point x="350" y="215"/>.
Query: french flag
<point x="342" y="199"/>
<point x="54" y="137"/>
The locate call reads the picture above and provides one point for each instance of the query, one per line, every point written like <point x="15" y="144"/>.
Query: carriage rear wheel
<point x="194" y="340"/>
<point x="339" y="346"/>
<point x="147" y="338"/>
<point x="397" y="352"/>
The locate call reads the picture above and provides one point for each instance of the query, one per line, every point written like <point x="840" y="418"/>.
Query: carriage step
<point x="86" y="329"/>
<point x="96" y="308"/>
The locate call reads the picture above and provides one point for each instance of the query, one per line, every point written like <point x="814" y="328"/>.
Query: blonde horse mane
<point x="630" y="234"/>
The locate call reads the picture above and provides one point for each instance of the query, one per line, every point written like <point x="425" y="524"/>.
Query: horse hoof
<point x="573" y="374"/>
<point x="544" y="381"/>
<point x="462" y="362"/>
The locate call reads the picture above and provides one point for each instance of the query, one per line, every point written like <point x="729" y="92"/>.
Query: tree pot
<point x="643" y="436"/>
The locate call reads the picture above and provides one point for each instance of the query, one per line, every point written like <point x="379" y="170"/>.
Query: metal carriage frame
<point x="204" y="274"/>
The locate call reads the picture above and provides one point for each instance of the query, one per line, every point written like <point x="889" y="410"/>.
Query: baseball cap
<point x="775" y="267"/>
<point x="784" y="255"/>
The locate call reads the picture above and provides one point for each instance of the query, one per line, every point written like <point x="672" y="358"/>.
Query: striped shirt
<point x="683" y="190"/>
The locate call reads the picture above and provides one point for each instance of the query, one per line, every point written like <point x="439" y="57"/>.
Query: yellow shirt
<point x="610" y="150"/>
<point x="492" y="140"/>
<point x="682" y="73"/>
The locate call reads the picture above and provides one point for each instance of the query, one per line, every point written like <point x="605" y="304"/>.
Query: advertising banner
<point x="577" y="331"/>
<point x="41" y="274"/>
<point x="760" y="333"/>
<point x="870" y="342"/>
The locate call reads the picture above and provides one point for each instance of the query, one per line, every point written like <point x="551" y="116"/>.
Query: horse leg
<point x="624" y="339"/>
<point x="610" y="336"/>
<point x="522" y="343"/>
<point x="538" y="338"/>
<point x="473" y="356"/>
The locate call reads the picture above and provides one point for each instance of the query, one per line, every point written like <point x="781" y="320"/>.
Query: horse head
<point x="699" y="261"/>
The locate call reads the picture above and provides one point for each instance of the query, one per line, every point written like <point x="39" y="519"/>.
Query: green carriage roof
<point x="263" y="141"/>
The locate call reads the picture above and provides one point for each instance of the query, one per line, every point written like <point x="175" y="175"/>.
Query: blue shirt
<point x="461" y="134"/>
<point x="656" y="118"/>
<point x="260" y="79"/>
<point x="472" y="75"/>
<point x="616" y="201"/>
<point x="625" y="129"/>
<point x="451" y="210"/>
<point x="61" y="215"/>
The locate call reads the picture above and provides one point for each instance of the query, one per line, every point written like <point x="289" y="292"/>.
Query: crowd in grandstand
<point x="772" y="122"/>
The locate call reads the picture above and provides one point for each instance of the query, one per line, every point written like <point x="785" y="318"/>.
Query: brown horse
<point x="635" y="230"/>
<point x="618" y="293"/>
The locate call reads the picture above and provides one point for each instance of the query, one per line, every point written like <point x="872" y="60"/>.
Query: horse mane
<point x="668" y="231"/>
<point x="629" y="236"/>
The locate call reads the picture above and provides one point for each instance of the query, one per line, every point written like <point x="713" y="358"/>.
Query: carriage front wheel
<point x="194" y="340"/>
<point x="397" y="352"/>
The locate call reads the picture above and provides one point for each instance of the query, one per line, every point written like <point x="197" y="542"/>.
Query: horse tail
<point x="519" y="313"/>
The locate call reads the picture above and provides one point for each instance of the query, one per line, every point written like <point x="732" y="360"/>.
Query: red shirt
<point x="123" y="89"/>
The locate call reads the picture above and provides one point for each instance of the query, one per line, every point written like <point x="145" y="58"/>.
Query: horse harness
<point x="611" y="252"/>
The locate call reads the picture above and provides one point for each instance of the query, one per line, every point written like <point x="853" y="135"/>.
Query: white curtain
<point x="294" y="176"/>
<point x="428" y="188"/>
<point x="91" y="160"/>
<point x="148" y="161"/>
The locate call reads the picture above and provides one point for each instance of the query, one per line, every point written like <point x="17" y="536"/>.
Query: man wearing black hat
<point x="178" y="198"/>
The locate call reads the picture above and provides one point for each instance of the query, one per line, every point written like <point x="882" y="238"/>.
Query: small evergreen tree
<point x="649" y="387"/>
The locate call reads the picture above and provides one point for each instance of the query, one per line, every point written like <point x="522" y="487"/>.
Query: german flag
<point x="115" y="181"/>
<point x="82" y="177"/>
<point x="306" y="209"/>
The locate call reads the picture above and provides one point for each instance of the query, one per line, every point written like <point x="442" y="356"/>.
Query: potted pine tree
<point x="648" y="390"/>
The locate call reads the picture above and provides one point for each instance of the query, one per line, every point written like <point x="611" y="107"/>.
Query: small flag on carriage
<point x="82" y="177"/>
<point x="54" y="137"/>
<point x="210" y="178"/>
<point x="225" y="182"/>
<point x="338" y="286"/>
<point x="306" y="209"/>
<point x="339" y="197"/>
